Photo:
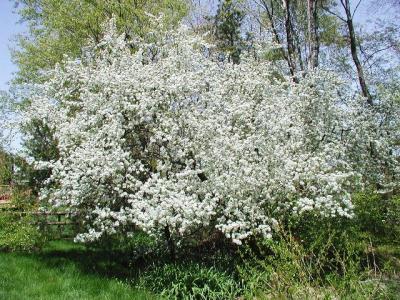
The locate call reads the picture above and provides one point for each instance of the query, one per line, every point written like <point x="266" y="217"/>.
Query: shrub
<point x="17" y="229"/>
<point x="177" y="144"/>
<point x="17" y="233"/>
<point x="326" y="260"/>
<point x="378" y="215"/>
<point x="190" y="281"/>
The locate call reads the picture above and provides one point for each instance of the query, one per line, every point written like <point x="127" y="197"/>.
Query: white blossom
<point x="167" y="136"/>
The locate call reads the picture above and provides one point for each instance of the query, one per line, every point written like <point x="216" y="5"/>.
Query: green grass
<point x="340" y="266"/>
<point x="62" y="271"/>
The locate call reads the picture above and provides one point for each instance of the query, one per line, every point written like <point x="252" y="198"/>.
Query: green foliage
<point x="274" y="55"/>
<point x="322" y="258"/>
<point x="228" y="21"/>
<point x="378" y="216"/>
<point x="6" y="168"/>
<point x="330" y="34"/>
<point x="137" y="244"/>
<point x="58" y="27"/>
<point x="190" y="281"/>
<point x="17" y="229"/>
<point x="40" y="145"/>
<point x="285" y="268"/>
<point x="17" y="234"/>
<point x="290" y="268"/>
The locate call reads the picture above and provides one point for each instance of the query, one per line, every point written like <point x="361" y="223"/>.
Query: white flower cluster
<point x="165" y="136"/>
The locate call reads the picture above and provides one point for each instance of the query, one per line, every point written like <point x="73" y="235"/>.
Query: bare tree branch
<point x="333" y="13"/>
<point x="358" y="4"/>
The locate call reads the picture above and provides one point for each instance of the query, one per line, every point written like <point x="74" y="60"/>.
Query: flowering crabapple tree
<point x="168" y="139"/>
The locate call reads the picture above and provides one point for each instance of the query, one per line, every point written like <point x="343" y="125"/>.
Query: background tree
<point x="38" y="144"/>
<point x="297" y="25"/>
<point x="313" y="34"/>
<point x="58" y="27"/>
<point x="353" y="47"/>
<point x="6" y="168"/>
<point x="324" y="33"/>
<point x="372" y="49"/>
<point x="228" y="22"/>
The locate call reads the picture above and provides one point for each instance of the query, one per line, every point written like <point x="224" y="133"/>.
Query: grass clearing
<point x="60" y="272"/>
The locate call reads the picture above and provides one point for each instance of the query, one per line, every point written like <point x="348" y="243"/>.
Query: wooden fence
<point x="58" y="224"/>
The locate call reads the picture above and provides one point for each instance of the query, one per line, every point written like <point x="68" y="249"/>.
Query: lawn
<point x="62" y="271"/>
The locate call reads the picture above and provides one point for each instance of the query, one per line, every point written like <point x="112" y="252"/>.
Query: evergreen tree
<point x="228" y="21"/>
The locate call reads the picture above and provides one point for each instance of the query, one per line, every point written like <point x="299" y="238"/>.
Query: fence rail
<point x="59" y="224"/>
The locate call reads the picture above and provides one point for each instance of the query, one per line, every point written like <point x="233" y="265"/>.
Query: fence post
<point x="59" y="225"/>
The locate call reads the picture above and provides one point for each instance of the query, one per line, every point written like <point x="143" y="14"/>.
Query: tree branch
<point x="333" y="13"/>
<point x="358" y="4"/>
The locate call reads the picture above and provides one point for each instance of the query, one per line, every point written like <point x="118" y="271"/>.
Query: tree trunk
<point x="353" y="48"/>
<point x="270" y="14"/>
<point x="170" y="243"/>
<point x="313" y="37"/>
<point x="289" y="39"/>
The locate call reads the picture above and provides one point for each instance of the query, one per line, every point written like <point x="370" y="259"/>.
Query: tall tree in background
<point x="40" y="144"/>
<point x="353" y="48"/>
<point x="58" y="27"/>
<point x="290" y="37"/>
<point x="372" y="53"/>
<point x="295" y="25"/>
<point x="323" y="33"/>
<point x="228" y="21"/>
<point x="313" y="34"/>
<point x="6" y="167"/>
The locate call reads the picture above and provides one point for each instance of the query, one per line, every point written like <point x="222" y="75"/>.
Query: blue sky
<point x="9" y="26"/>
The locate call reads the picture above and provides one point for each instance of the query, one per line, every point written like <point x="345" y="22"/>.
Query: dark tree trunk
<point x="290" y="40"/>
<point x="270" y="14"/>
<point x="353" y="48"/>
<point x="313" y="37"/>
<point x="170" y="243"/>
<point x="300" y="58"/>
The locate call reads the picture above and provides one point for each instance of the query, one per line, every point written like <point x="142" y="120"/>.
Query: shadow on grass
<point x="128" y="265"/>
<point x="112" y="264"/>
